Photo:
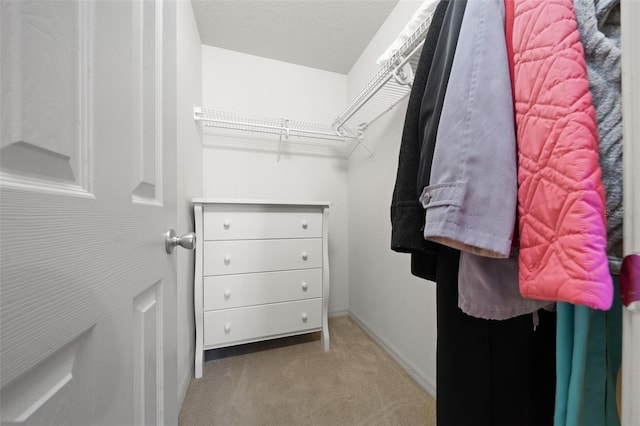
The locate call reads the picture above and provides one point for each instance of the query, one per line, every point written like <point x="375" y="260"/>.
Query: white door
<point x="87" y="187"/>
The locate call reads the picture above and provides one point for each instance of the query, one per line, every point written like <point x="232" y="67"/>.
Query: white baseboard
<point x="184" y="386"/>
<point x="426" y="383"/>
<point x="338" y="314"/>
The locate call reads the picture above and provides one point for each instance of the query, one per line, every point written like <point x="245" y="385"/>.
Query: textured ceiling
<point x="328" y="35"/>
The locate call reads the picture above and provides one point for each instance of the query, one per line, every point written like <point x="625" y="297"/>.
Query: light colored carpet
<point x="292" y="382"/>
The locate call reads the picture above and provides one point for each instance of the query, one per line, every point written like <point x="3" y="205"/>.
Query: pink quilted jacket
<point x="560" y="192"/>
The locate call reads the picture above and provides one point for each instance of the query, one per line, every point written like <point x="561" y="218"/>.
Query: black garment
<point x="491" y="372"/>
<point x="435" y="89"/>
<point x="419" y="138"/>
<point x="407" y="215"/>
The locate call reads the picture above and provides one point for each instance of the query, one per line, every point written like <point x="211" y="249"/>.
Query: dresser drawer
<point x="242" y="325"/>
<point x="261" y="222"/>
<point x="236" y="257"/>
<point x="232" y="291"/>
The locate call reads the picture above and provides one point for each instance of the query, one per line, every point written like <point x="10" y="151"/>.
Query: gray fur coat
<point x="599" y="27"/>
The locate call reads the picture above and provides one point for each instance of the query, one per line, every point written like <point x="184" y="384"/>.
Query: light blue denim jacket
<point x="472" y="197"/>
<point x="471" y="200"/>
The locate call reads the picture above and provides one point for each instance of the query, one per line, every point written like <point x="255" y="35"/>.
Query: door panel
<point x="147" y="101"/>
<point x="87" y="190"/>
<point x="147" y="356"/>
<point x="53" y="154"/>
<point x="50" y="388"/>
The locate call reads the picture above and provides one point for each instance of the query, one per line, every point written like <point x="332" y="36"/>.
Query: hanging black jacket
<point x="425" y="102"/>
<point x="407" y="214"/>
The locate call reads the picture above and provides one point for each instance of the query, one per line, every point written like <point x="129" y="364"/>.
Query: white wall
<point x="395" y="307"/>
<point x="189" y="159"/>
<point x="237" y="167"/>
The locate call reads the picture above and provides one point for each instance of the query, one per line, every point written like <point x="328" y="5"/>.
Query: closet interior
<point x="337" y="138"/>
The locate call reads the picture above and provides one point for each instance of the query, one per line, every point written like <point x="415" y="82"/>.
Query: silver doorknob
<point x="171" y="240"/>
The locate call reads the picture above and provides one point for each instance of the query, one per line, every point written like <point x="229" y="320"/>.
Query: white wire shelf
<point x="388" y="87"/>
<point x="281" y="127"/>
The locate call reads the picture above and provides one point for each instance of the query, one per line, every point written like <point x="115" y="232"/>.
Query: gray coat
<point x="599" y="27"/>
<point x="471" y="198"/>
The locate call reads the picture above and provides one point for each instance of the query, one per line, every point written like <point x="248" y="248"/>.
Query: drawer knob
<point x="305" y="318"/>
<point x="305" y="286"/>
<point x="226" y="224"/>
<point x="305" y="224"/>
<point x="227" y="259"/>
<point x="227" y="328"/>
<point x="305" y="255"/>
<point x="227" y="293"/>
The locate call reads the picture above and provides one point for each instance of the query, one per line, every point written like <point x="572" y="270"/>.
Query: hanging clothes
<point x="407" y="215"/>
<point x="488" y="288"/>
<point x="471" y="198"/>
<point x="435" y="90"/>
<point x="599" y="27"/>
<point x="589" y="341"/>
<point x="560" y="194"/>
<point x="470" y="201"/>
<point x="490" y="372"/>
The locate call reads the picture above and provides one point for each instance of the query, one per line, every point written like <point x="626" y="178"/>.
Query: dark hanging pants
<point x="491" y="372"/>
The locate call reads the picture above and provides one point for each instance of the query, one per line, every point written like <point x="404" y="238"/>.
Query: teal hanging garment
<point x="589" y="353"/>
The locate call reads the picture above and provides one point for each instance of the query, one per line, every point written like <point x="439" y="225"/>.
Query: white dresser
<point x="261" y="271"/>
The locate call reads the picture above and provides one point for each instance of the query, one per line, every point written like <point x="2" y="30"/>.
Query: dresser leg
<point x="199" y="360"/>
<point x="325" y="334"/>
<point x="325" y="278"/>
<point x="325" y="340"/>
